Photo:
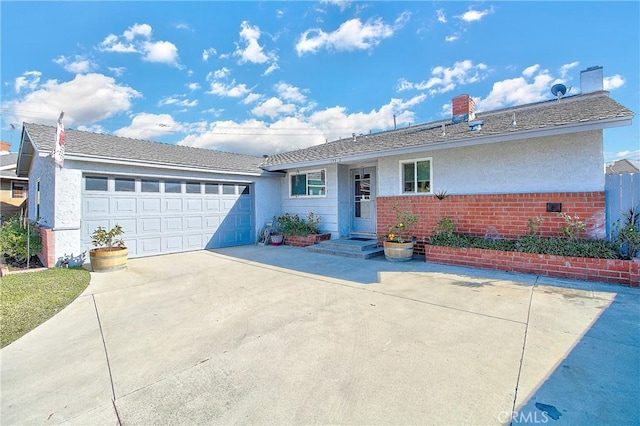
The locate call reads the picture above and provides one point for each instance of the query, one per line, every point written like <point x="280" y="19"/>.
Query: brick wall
<point x="47" y="254"/>
<point x="504" y="214"/>
<point x="305" y="240"/>
<point x="626" y="272"/>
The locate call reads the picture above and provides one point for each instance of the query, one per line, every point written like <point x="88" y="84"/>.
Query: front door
<point x="363" y="200"/>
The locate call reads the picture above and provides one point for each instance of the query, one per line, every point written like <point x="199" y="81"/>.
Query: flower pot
<point x="107" y="259"/>
<point x="398" y="252"/>
<point x="277" y="240"/>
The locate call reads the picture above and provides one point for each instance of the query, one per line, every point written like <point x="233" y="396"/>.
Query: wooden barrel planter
<point x="107" y="259"/>
<point x="398" y="252"/>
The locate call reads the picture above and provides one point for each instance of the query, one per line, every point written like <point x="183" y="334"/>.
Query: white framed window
<point x="416" y="176"/>
<point x="308" y="184"/>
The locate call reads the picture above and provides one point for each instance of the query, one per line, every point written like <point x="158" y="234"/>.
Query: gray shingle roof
<point x="9" y="159"/>
<point x="573" y="110"/>
<point x="82" y="143"/>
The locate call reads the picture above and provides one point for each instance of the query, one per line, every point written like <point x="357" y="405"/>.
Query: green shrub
<point x="290" y="224"/>
<point x="13" y="239"/>
<point x="627" y="234"/>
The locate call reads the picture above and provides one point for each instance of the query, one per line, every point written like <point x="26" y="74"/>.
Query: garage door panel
<point x="88" y="226"/>
<point x="173" y="205"/>
<point x="150" y="205"/>
<point x="193" y="223"/>
<point x="129" y="226"/>
<point x="194" y="242"/>
<point x="194" y="205"/>
<point x="243" y="205"/>
<point x="147" y="246"/>
<point x="212" y="205"/>
<point x="211" y="222"/>
<point x="172" y="243"/>
<point x="98" y="206"/>
<point x="123" y="205"/>
<point x="173" y="224"/>
<point x="150" y="225"/>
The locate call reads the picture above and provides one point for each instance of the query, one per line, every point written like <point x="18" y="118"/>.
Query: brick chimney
<point x="591" y="80"/>
<point x="5" y="148"/>
<point x="463" y="109"/>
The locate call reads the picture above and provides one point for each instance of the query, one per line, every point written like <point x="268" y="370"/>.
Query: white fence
<point x="622" y="193"/>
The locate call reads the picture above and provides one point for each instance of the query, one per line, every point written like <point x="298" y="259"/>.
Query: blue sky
<point x="267" y="77"/>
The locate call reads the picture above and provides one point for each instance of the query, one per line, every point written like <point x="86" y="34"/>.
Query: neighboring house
<point x="13" y="189"/>
<point x="499" y="169"/>
<point x="623" y="166"/>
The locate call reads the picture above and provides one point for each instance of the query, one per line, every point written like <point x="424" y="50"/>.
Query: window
<point x="149" y="185"/>
<point x="211" y="188"/>
<point x="228" y="188"/>
<point x="125" y="185"/>
<point x="172" y="186"/>
<point x="243" y="189"/>
<point x="311" y="184"/>
<point x="193" y="187"/>
<point x="95" y="183"/>
<point x="18" y="190"/>
<point x="416" y="176"/>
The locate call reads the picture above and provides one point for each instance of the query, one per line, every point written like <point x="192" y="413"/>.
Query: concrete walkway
<point x="276" y="335"/>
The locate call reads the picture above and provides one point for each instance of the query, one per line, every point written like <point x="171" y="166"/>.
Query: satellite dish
<point x="558" y="90"/>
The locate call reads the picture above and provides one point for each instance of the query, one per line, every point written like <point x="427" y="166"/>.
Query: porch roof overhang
<point x="458" y="143"/>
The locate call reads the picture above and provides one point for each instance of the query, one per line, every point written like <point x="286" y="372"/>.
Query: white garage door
<point x="167" y="215"/>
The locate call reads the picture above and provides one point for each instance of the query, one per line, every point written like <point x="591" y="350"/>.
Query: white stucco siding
<point x="326" y="207"/>
<point x="571" y="163"/>
<point x="42" y="170"/>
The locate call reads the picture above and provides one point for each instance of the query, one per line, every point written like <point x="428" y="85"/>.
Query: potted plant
<point x="110" y="253"/>
<point x="398" y="247"/>
<point x="277" y="238"/>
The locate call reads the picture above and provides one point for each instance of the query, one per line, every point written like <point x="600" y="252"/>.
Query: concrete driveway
<point x="276" y="335"/>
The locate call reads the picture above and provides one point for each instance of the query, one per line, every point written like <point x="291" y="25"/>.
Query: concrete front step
<point x="354" y="248"/>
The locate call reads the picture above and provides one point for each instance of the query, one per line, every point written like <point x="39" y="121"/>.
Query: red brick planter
<point x="626" y="272"/>
<point x="305" y="240"/>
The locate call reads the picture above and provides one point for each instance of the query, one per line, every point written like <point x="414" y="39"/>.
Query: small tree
<point x="19" y="239"/>
<point x="103" y="238"/>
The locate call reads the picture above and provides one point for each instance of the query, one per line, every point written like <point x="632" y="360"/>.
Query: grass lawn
<point x="29" y="299"/>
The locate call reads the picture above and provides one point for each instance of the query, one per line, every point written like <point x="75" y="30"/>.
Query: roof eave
<point x="153" y="165"/>
<point x="25" y="154"/>
<point x="457" y="143"/>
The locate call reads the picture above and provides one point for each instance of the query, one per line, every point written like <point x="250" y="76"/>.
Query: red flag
<point x="58" y="149"/>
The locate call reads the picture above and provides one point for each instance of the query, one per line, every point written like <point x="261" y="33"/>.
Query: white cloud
<point x="273" y="107"/>
<point x="613" y="82"/>
<point x="351" y="35"/>
<point x="251" y="98"/>
<point x="441" y="16"/>
<point x="193" y="86"/>
<point x="446" y="79"/>
<point x="564" y="70"/>
<point x="79" y="66"/>
<point x="288" y="133"/>
<point x="160" y="51"/>
<point x="473" y="15"/>
<point x="219" y="74"/>
<point x="206" y="53"/>
<point x="529" y="71"/>
<point x="530" y="87"/>
<point x="451" y="38"/>
<point x="342" y="4"/>
<point x="29" y="80"/>
<point x="86" y="99"/>
<point x="179" y="100"/>
<point x="289" y="92"/>
<point x="137" y="39"/>
<point x="274" y="66"/>
<point x="232" y="90"/>
<point x="117" y="71"/>
<point x="252" y="51"/>
<point x="143" y="30"/>
<point x="149" y="126"/>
